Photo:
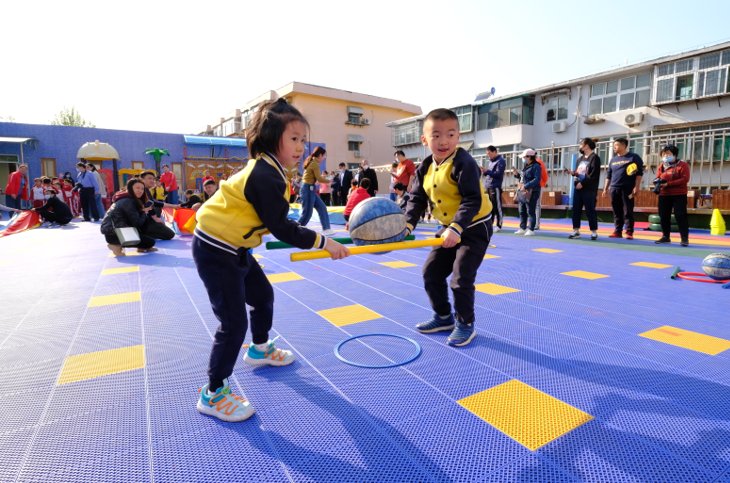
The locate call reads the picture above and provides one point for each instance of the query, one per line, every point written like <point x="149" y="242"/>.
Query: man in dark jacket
<point x="366" y="171"/>
<point x="342" y="182"/>
<point x="493" y="183"/>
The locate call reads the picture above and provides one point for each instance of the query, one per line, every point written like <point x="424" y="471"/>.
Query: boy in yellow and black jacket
<point x="449" y="181"/>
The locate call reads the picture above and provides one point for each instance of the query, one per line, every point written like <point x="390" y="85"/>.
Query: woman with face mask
<point x="671" y="184"/>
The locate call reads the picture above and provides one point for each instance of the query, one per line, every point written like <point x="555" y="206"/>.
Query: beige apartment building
<point x="352" y="126"/>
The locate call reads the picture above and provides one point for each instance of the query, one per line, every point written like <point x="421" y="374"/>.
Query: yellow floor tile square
<point x="398" y="264"/>
<point x="586" y="275"/>
<point x="650" y="265"/>
<point x="525" y="414"/>
<point x="83" y="367"/>
<point x="349" y="314"/>
<point x="489" y="256"/>
<point x="114" y="271"/>
<point x="546" y="250"/>
<point x="119" y="298"/>
<point x="687" y="339"/>
<point x="494" y="289"/>
<point x="284" y="277"/>
<point x="257" y="256"/>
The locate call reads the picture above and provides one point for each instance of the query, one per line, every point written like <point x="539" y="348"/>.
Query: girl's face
<point x="291" y="144"/>
<point x="138" y="189"/>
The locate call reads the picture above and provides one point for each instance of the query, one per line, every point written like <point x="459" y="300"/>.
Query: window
<point x="355" y="115"/>
<point x="620" y="94"/>
<point x="464" y="114"/>
<point x="137" y="164"/>
<point x="706" y="75"/>
<point x="48" y="167"/>
<point x="353" y="145"/>
<point x="557" y="108"/>
<point x="509" y="112"/>
<point x="406" y="134"/>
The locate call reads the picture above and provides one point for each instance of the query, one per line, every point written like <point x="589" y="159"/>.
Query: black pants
<point x="678" y="203"/>
<point x="156" y="230"/>
<point x="495" y="197"/>
<point x="585" y="198"/>
<point x="144" y="241"/>
<point x="529" y="209"/>
<point x="232" y="282"/>
<point x="622" y="204"/>
<point x="462" y="261"/>
<point x="325" y="197"/>
<point x="88" y="204"/>
<point x="54" y="217"/>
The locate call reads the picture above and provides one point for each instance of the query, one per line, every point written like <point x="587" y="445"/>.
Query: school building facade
<point x="52" y="150"/>
<point x="681" y="99"/>
<point x="352" y="126"/>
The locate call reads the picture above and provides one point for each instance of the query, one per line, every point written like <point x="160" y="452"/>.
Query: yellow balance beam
<point x="362" y="249"/>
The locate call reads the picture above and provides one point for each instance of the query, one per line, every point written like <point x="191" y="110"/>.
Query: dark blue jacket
<point x="531" y="176"/>
<point x="495" y="172"/>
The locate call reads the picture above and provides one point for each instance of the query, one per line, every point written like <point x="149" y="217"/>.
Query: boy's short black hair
<point x="268" y="124"/>
<point x="189" y="192"/>
<point x="623" y="141"/>
<point x="342" y="165"/>
<point x="210" y="181"/>
<point x="146" y="173"/>
<point x="364" y="183"/>
<point x="491" y="149"/>
<point x="46" y="180"/>
<point x="441" y="114"/>
<point x="399" y="153"/>
<point x="81" y="163"/>
<point x="399" y="187"/>
<point x="353" y="182"/>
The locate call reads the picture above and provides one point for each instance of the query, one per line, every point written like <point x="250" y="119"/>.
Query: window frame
<point x="698" y="68"/>
<point x="613" y="91"/>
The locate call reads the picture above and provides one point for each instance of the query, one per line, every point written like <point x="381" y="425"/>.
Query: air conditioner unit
<point x="356" y="154"/>
<point x="633" y="119"/>
<point x="593" y="119"/>
<point x="365" y="122"/>
<point x="560" y="126"/>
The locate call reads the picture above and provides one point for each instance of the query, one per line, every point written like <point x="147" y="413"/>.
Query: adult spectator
<point x="494" y="173"/>
<point x="671" y="181"/>
<point x="406" y="170"/>
<point x="54" y="210"/>
<point x="343" y="179"/>
<point x="169" y="182"/>
<point x="128" y="210"/>
<point x="18" y="188"/>
<point x="310" y="198"/>
<point x="88" y="187"/>
<point x="102" y="193"/>
<point x="155" y="226"/>
<point x="624" y="178"/>
<point x="528" y="192"/>
<point x="325" y="189"/>
<point x="366" y="171"/>
<point x="585" y="180"/>
<point x="543" y="184"/>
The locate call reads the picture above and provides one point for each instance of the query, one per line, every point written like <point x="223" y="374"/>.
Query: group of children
<point x="255" y="202"/>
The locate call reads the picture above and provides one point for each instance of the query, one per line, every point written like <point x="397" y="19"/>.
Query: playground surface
<point x="590" y="364"/>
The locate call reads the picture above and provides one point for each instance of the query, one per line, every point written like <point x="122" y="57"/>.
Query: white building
<point x="682" y="99"/>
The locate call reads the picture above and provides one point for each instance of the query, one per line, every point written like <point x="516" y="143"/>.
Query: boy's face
<point x="292" y="143"/>
<point x="441" y="137"/>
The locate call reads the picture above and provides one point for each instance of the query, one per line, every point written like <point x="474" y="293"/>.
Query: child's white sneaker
<point x="271" y="356"/>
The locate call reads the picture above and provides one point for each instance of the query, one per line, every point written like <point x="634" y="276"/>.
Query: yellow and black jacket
<point x="249" y="205"/>
<point x="454" y="191"/>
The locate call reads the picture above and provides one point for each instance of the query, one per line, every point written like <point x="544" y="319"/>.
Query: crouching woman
<point x="128" y="210"/>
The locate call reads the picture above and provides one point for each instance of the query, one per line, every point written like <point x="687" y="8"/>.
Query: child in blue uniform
<point x="250" y="204"/>
<point x="449" y="180"/>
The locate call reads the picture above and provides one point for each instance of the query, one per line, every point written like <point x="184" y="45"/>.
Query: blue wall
<point x="63" y="142"/>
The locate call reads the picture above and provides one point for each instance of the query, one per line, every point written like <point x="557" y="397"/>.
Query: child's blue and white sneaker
<point x="461" y="335"/>
<point x="270" y="356"/>
<point x="436" y="324"/>
<point x="224" y="405"/>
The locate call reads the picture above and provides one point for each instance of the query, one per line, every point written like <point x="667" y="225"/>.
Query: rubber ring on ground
<point x="699" y="277"/>
<point x="369" y="366"/>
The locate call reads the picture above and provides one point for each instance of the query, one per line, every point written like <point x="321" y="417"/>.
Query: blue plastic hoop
<point x="368" y="366"/>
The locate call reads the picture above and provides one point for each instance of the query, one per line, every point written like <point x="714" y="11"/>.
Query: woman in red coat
<point x="17" y="188"/>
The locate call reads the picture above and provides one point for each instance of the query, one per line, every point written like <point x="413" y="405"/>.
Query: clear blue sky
<point x="177" y="66"/>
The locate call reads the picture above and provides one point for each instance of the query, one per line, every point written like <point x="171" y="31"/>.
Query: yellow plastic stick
<point x="359" y="250"/>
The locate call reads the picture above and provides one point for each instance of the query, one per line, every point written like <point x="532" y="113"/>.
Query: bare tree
<point x="70" y="117"/>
